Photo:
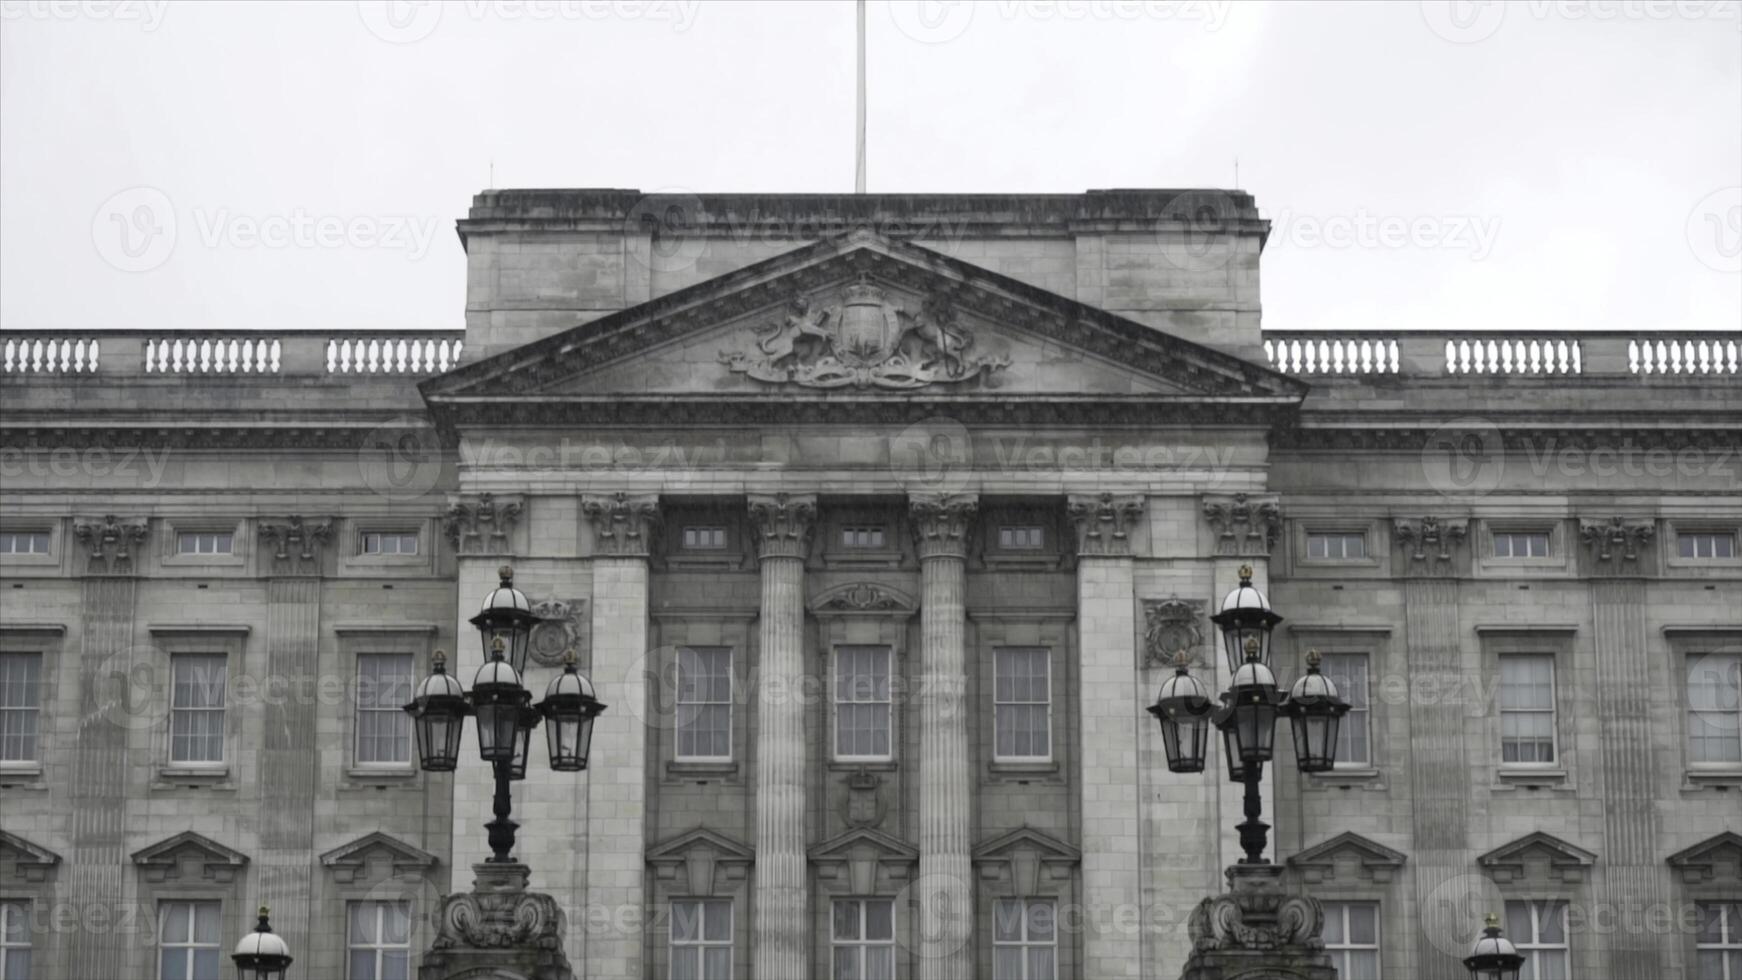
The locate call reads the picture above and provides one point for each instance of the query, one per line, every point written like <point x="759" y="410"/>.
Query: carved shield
<point x="868" y="329"/>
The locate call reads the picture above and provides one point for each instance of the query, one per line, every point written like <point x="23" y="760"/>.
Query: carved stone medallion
<point x="562" y="628"/>
<point x="1169" y="626"/>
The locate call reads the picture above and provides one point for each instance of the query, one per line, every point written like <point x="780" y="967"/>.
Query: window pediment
<point x="1369" y="860"/>
<point x="352" y="860"/>
<point x="1714" y="860"/>
<point x="1029" y="862"/>
<point x="31" y="862"/>
<point x="855" y="858"/>
<point x="1538" y="853"/>
<point x="704" y="861"/>
<point x="186" y="852"/>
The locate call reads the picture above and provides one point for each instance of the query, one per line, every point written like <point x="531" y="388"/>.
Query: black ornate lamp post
<point x="1257" y="927"/>
<point x="262" y="954"/>
<point x="1493" y="957"/>
<point x="503" y="709"/>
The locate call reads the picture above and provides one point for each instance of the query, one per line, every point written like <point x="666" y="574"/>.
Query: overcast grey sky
<point x="1446" y="166"/>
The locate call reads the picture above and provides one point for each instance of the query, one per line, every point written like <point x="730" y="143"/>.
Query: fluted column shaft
<point x="781" y="922"/>
<point x="942" y="525"/>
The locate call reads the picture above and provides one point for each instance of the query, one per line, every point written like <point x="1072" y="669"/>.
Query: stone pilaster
<point x="942" y="526"/>
<point x="623" y="526"/>
<point x="287" y="800"/>
<point x="1109" y="714"/>
<point x="783" y="524"/>
<point x="109" y="708"/>
<point x="1630" y="874"/>
<point x="1439" y="771"/>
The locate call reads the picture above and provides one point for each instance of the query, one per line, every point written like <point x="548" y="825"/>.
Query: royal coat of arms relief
<point x="866" y="341"/>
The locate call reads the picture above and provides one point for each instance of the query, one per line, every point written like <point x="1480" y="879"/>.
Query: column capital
<point x="1244" y="523"/>
<point x="783" y="523"/>
<point x="943" y="523"/>
<point x="623" y="524"/>
<point x="297" y="543"/>
<point x="110" y="541"/>
<point x="1103" y="522"/>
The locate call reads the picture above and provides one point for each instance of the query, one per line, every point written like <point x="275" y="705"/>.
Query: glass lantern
<point x="1315" y="712"/>
<point x="1493" y="957"/>
<point x="262" y="954"/>
<point x="1183" y="709"/>
<point x="569" y="707"/>
<point x="438" y="714"/>
<point x="506" y="618"/>
<point x="1245" y="619"/>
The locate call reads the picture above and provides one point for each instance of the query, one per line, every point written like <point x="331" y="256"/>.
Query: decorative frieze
<point x="864" y="599"/>
<point x="1430" y="543"/>
<point x="943" y="524"/>
<point x="296" y="543"/>
<point x="783" y="524"/>
<point x="1103" y="522"/>
<point x="1171" y="626"/>
<point x="563" y="627"/>
<point x="481" y="524"/>
<point x="623" y="524"/>
<point x="110" y="542"/>
<point x="1244" y="524"/>
<point x="1616" y="540"/>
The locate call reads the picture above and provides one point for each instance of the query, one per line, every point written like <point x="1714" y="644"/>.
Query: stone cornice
<point x="623" y="525"/>
<point x="783" y="524"/>
<point x="1103" y="522"/>
<point x="1381" y="431"/>
<point x="943" y="524"/>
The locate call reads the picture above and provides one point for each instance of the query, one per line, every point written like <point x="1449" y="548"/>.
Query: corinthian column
<point x="783" y="525"/>
<point x="616" y="869"/>
<point x="941" y="526"/>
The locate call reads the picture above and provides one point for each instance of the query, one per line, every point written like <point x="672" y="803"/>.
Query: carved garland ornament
<point x="866" y="342"/>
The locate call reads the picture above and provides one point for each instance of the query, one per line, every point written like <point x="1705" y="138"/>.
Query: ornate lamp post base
<point x="1257" y="931"/>
<point x="498" y="929"/>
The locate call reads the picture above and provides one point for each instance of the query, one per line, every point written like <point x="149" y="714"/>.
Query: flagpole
<point x="859" y="169"/>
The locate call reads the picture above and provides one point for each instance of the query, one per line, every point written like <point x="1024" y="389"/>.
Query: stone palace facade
<point x="877" y="521"/>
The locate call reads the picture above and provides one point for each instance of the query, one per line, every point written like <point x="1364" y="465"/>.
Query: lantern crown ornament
<point x="1183" y="709"/>
<point x="1493" y="957"/>
<point x="1245" y="616"/>
<point x="262" y="954"/>
<point x="506" y="615"/>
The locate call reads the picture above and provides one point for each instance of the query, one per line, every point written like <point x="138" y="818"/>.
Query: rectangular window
<point x="700" y="538"/>
<point x="1024" y="939"/>
<point x="1539" y="930"/>
<point x="1352" y="939"/>
<point x="1354" y="736"/>
<point x="1527" y="712"/>
<point x="20" y="705"/>
<point x="196" y="707"/>
<point x="1521" y="544"/>
<point x="1337" y="545"/>
<point x="1021" y="537"/>
<point x="704" y="703"/>
<point x="1715" y="709"/>
<point x="379" y="945"/>
<point x="701" y="940"/>
<point x="863" y="937"/>
<point x="14" y="941"/>
<point x="862" y="537"/>
<point x="190" y="941"/>
<point x="384" y="684"/>
<point x="1022" y="703"/>
<point x="1718" y="942"/>
<point x="205" y="543"/>
<point x="23" y="542"/>
<point x="863" y="705"/>
<point x="389" y="543"/>
<point x="1706" y="544"/>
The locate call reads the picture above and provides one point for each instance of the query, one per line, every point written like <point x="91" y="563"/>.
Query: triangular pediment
<point x="862" y="842"/>
<point x="705" y="862"/>
<point x="677" y="848"/>
<point x="1539" y="850"/>
<point x="31" y="861"/>
<point x="854" y="320"/>
<point x="1367" y="858"/>
<point x="190" y="854"/>
<point x="1044" y="845"/>
<point x="355" y="856"/>
<point x="1716" y="860"/>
